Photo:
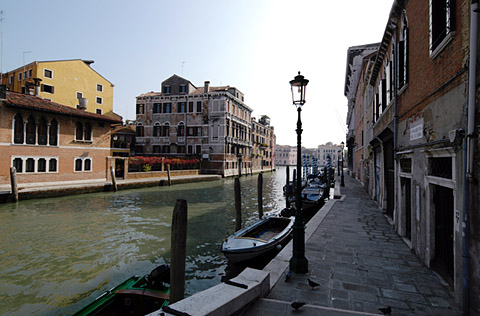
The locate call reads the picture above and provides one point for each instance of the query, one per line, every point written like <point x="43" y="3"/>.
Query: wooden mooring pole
<point x="260" y="195"/>
<point x="114" y="181"/>
<point x="168" y="174"/>
<point x="13" y="180"/>
<point x="238" y="205"/>
<point x="178" y="251"/>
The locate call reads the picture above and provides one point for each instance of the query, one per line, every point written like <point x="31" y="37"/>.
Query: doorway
<point x="443" y="204"/>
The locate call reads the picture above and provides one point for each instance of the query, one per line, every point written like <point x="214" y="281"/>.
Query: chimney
<point x="82" y="104"/>
<point x="37" y="86"/>
<point x="3" y="92"/>
<point x="207" y="83"/>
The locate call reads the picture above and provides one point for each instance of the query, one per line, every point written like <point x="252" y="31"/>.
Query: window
<point x="199" y="106"/>
<point x="403" y="57"/>
<point x="87" y="165"/>
<point x="181" y="149"/>
<point x="47" y="73"/>
<point x="190" y="149"/>
<point x="18" y="129"/>
<point x="99" y="88"/>
<point x="83" y="164"/>
<point x="52" y="139"/>
<point x="88" y="132"/>
<point x="47" y="88"/>
<point x="18" y="164"/>
<point x="167" y="108"/>
<point x="181" y="107"/>
<point x="157" y="130"/>
<point x="78" y="164"/>
<point x="31" y="130"/>
<point x="10" y="81"/>
<point x="42" y="165"/>
<point x="29" y="73"/>
<point x="52" y="165"/>
<point x="20" y="76"/>
<point x="79" y="95"/>
<point x="190" y="107"/>
<point x="79" y="131"/>
<point x="30" y="165"/>
<point x="181" y="129"/>
<point x="139" y="131"/>
<point x="442" y="22"/>
<point x="166" y="130"/>
<point x="183" y="88"/>
<point x="99" y="100"/>
<point x="42" y="131"/>
<point x="198" y="149"/>
<point x="166" y="89"/>
<point x="166" y="149"/>
<point x="98" y="111"/>
<point x="157" y="108"/>
<point x="140" y="109"/>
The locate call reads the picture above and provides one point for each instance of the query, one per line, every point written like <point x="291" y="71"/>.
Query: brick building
<point x="421" y="94"/>
<point x="49" y="142"/>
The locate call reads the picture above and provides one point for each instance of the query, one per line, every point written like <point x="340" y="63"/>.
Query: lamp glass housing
<point x="299" y="88"/>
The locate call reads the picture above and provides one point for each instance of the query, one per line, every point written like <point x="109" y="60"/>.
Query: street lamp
<point x="342" y="181"/>
<point x="298" y="262"/>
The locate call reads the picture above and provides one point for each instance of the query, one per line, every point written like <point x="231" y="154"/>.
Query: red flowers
<point x="137" y="163"/>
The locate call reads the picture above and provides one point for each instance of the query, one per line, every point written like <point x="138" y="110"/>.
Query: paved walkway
<point x="361" y="265"/>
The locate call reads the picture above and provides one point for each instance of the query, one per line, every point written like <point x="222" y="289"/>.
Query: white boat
<point x="258" y="238"/>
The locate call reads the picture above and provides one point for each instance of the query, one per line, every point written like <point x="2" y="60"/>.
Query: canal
<point x="58" y="254"/>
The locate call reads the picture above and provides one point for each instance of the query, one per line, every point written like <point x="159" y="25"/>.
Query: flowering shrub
<point x="140" y="163"/>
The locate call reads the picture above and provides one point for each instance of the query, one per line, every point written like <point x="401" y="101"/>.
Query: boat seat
<point x="149" y="293"/>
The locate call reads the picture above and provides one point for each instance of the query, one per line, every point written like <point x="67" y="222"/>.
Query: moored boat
<point x="258" y="238"/>
<point x="138" y="295"/>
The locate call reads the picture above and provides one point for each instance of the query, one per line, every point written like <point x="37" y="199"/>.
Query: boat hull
<point x="257" y="239"/>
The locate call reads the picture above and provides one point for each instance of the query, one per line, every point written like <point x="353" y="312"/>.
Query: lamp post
<point x="298" y="262"/>
<point x="338" y="163"/>
<point x="342" y="181"/>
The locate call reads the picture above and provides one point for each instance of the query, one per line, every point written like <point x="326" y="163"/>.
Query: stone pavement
<point x="361" y="265"/>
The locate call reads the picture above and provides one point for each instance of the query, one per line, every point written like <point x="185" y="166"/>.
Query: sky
<point x="257" y="46"/>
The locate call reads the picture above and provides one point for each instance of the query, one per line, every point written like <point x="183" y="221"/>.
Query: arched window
<point x="31" y="130"/>
<point x="18" y="129"/>
<point x="42" y="131"/>
<point x="52" y="165"/>
<point x="181" y="129"/>
<point x="166" y="130"/>
<point x="53" y="133"/>
<point x="156" y="130"/>
<point x="79" y="131"/>
<point x="18" y="164"/>
<point x="139" y="131"/>
<point x="30" y="165"/>
<point x="88" y="132"/>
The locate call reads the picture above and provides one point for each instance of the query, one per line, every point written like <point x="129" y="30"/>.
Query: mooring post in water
<point x="178" y="251"/>
<point x="163" y="163"/>
<point x="260" y="195"/>
<point x="114" y="181"/>
<point x="238" y="205"/>
<point x="13" y="179"/>
<point x="168" y="174"/>
<point x="287" y="188"/>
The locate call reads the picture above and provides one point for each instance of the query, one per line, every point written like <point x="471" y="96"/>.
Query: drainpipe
<point x="469" y="150"/>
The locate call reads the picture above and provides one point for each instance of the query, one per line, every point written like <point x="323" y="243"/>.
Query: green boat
<point x="138" y="295"/>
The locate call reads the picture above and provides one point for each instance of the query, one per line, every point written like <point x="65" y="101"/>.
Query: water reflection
<point x="58" y="254"/>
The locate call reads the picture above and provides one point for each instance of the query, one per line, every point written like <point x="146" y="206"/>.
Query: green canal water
<point x="59" y="254"/>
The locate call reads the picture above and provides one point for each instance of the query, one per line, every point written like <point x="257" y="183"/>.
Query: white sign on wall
<point x="416" y="130"/>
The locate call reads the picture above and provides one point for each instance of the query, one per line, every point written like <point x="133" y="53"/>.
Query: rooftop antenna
<point x="25" y="52"/>
<point x="183" y="63"/>
<point x="1" y="46"/>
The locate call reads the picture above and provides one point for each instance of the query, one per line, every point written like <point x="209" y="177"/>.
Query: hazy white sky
<point x="257" y="46"/>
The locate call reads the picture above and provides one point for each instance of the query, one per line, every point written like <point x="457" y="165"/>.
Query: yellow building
<point x="69" y="82"/>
